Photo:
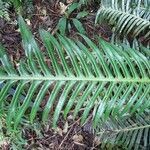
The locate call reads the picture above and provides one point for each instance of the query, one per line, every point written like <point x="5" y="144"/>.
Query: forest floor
<point x="69" y="134"/>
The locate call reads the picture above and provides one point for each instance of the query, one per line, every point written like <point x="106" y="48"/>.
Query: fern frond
<point x="128" y="16"/>
<point x="4" y="12"/>
<point x="111" y="80"/>
<point x="129" y="133"/>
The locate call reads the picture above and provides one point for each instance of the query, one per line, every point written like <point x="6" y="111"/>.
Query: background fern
<point x="129" y="133"/>
<point x="126" y="17"/>
<point x="19" y="7"/>
<point x="4" y="12"/>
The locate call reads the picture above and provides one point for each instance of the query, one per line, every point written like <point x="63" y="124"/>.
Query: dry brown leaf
<point x="97" y="141"/>
<point x="62" y="7"/>
<point x="28" y="22"/>
<point x="44" y="12"/>
<point x="69" y="1"/>
<point x="65" y="129"/>
<point x="70" y="117"/>
<point x="77" y="138"/>
<point x="59" y="131"/>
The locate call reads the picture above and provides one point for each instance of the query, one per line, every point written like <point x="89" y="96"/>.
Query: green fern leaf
<point x="128" y="16"/>
<point x="111" y="80"/>
<point x="129" y="133"/>
<point x="4" y="12"/>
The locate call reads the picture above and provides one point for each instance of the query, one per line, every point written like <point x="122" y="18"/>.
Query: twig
<point x="68" y="133"/>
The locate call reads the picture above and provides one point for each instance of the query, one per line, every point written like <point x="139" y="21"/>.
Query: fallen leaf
<point x="44" y="12"/>
<point x="97" y="141"/>
<point x="28" y="22"/>
<point x="77" y="138"/>
<point x="70" y="117"/>
<point x="69" y="1"/>
<point x="63" y="8"/>
<point x="65" y="130"/>
<point x="59" y="131"/>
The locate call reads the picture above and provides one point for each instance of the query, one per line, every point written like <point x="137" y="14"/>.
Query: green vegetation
<point x="126" y="17"/>
<point x="4" y="13"/>
<point x="65" y="23"/>
<point x="18" y="5"/>
<point x="107" y="83"/>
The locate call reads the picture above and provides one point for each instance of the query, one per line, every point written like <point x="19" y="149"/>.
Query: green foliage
<point x="4" y="13"/>
<point x="109" y="83"/>
<point x="129" y="133"/>
<point x="21" y="5"/>
<point x="28" y="6"/>
<point x="135" y="44"/>
<point x="69" y="20"/>
<point x="86" y="2"/>
<point x="110" y="80"/>
<point x="126" y="16"/>
<point x="18" y="5"/>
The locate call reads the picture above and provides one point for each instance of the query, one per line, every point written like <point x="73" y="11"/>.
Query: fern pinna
<point x="106" y="79"/>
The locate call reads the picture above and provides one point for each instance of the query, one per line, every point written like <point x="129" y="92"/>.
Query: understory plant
<point x="109" y="84"/>
<point x="70" y="19"/>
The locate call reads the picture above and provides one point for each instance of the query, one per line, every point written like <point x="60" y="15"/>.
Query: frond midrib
<point x="132" y="128"/>
<point x="73" y="78"/>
